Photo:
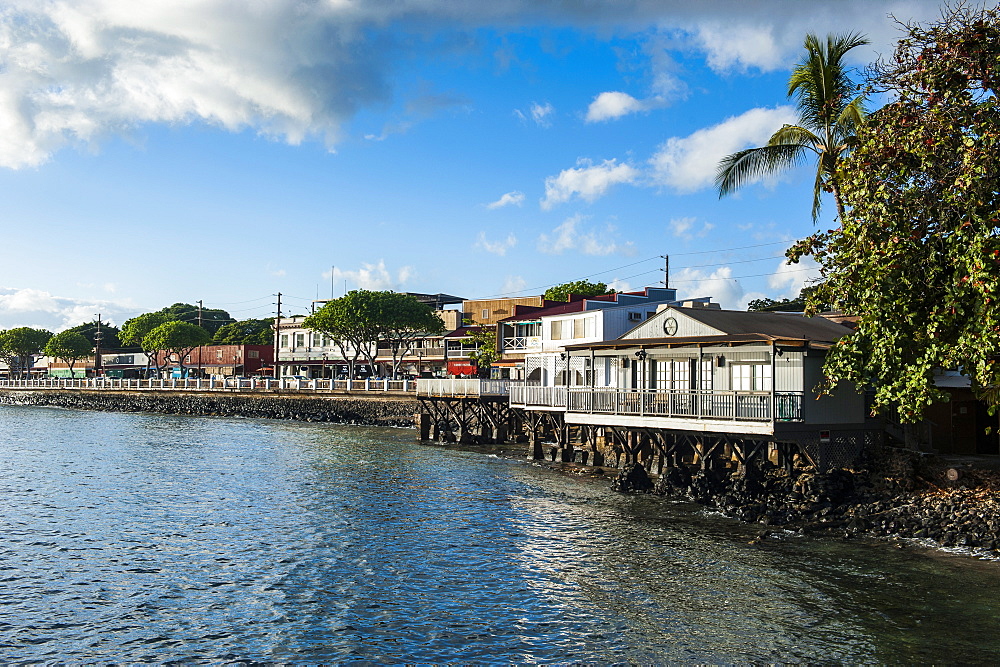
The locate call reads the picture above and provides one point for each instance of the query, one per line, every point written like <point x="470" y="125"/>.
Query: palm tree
<point x="828" y="117"/>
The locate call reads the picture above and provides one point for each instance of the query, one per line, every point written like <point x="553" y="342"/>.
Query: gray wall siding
<point x="788" y="372"/>
<point x="844" y="406"/>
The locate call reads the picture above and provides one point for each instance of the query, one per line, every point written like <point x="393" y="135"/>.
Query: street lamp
<point x="641" y="356"/>
<point x="325" y="357"/>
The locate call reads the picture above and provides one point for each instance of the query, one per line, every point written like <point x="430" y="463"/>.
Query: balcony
<point x="521" y="343"/>
<point x="749" y="406"/>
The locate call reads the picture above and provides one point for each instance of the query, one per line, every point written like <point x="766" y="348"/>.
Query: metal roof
<point x="688" y="341"/>
<point x="782" y="325"/>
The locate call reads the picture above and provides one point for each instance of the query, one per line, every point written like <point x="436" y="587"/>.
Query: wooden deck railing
<point x="728" y="405"/>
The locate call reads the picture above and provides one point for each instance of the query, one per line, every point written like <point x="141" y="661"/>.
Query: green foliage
<point x="176" y="338"/>
<point x="829" y="116"/>
<point x="796" y="305"/>
<point x="917" y="257"/>
<point x="109" y="334"/>
<point x="136" y="329"/>
<point x="578" y="288"/>
<point x="245" y="332"/>
<point x="212" y="319"/>
<point x="360" y="319"/>
<point x="70" y="346"/>
<point x="487" y="351"/>
<point x="21" y="345"/>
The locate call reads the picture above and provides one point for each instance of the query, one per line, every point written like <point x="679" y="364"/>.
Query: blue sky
<point x="226" y="150"/>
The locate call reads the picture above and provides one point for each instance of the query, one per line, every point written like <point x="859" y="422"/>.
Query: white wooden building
<point x="703" y="370"/>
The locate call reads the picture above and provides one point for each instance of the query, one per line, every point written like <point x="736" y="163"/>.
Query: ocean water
<point x="129" y="537"/>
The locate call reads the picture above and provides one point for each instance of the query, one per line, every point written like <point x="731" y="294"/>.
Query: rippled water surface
<point x="152" y="538"/>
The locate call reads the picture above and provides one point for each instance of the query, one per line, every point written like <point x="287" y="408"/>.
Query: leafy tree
<point x="109" y="334"/>
<point x="829" y="116"/>
<point x="70" y="346"/>
<point x="19" y="346"/>
<point x="245" y="332"/>
<point x="176" y="339"/>
<point x="487" y="352"/>
<point x="917" y="257"/>
<point x="578" y="288"/>
<point x="350" y="324"/>
<point x="798" y="304"/>
<point x="212" y="319"/>
<point x="135" y="330"/>
<point x="402" y="320"/>
<point x="361" y="319"/>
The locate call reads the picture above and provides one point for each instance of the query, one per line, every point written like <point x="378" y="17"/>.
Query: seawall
<point x="383" y="410"/>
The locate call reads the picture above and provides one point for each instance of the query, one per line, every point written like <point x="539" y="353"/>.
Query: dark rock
<point x="632" y="479"/>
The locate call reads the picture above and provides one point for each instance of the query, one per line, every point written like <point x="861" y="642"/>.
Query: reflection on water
<point x="141" y="537"/>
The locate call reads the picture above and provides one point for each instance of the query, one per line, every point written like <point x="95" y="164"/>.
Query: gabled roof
<point x="779" y="325"/>
<point x="734" y="327"/>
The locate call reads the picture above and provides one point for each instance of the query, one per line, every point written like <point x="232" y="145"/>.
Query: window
<point x="557" y="330"/>
<point x="253" y="354"/>
<point x="284" y="340"/>
<point x="300" y="340"/>
<point x="751" y="377"/>
<point x="486" y="314"/>
<point x="218" y="355"/>
<point x="579" y="328"/>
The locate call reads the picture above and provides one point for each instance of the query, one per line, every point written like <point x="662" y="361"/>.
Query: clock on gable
<point x="670" y="326"/>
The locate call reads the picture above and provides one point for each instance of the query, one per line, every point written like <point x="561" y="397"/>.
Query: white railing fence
<point x="215" y="384"/>
<point x="729" y="405"/>
<point x="463" y="387"/>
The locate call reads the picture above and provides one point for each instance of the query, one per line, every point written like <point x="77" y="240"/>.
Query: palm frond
<point x="793" y="135"/>
<point x="748" y="165"/>
<point x="820" y="82"/>
<point x="852" y="115"/>
<point x="818" y="191"/>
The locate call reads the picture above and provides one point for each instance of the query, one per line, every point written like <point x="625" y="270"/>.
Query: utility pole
<point x="666" y="271"/>
<point x="277" y="322"/>
<point x="199" y="347"/>
<point x="97" y="347"/>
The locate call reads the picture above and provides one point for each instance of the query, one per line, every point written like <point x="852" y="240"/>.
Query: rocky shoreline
<point x="896" y="495"/>
<point x="338" y="409"/>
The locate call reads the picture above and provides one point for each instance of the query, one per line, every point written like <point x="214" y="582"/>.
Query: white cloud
<point x="569" y="236"/>
<point x="371" y="277"/>
<point x="513" y="285"/>
<point x="540" y="113"/>
<point x="789" y="279"/>
<point x="26" y="307"/>
<point x="588" y="181"/>
<point x="75" y="72"/>
<point x="496" y="247"/>
<point x="684" y="228"/>
<point x="611" y="105"/>
<point x="620" y="285"/>
<point x="689" y="163"/>
<point x="718" y="284"/>
<point x="514" y="198"/>
<point x="739" y="46"/>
